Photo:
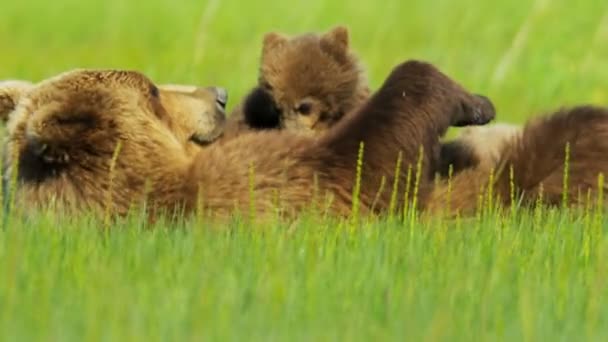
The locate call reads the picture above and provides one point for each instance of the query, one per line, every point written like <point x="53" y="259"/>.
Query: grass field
<point x="534" y="276"/>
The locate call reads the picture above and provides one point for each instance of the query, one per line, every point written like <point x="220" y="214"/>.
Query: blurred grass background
<point x="536" y="276"/>
<point x="528" y="56"/>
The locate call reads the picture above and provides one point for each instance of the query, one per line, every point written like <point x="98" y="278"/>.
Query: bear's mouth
<point x="201" y="142"/>
<point x="204" y="136"/>
<point x="206" y="139"/>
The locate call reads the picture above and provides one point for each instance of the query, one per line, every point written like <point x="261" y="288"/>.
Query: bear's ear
<point x="335" y="42"/>
<point x="10" y="93"/>
<point x="273" y="41"/>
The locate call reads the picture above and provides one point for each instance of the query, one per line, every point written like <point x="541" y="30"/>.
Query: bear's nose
<point x="221" y="96"/>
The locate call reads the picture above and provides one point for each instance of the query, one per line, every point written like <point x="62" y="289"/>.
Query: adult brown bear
<point x="300" y="71"/>
<point x="64" y="134"/>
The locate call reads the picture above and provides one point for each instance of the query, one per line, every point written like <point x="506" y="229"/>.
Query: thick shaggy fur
<point x="306" y="83"/>
<point x="65" y="130"/>
<point x="536" y="154"/>
<point x="107" y="140"/>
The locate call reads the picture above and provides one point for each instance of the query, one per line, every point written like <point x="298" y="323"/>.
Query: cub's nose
<point x="221" y="96"/>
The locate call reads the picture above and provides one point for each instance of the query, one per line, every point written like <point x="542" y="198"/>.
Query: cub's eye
<point x="304" y="108"/>
<point x="265" y="85"/>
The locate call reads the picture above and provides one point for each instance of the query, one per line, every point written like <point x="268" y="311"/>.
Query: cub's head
<point x="306" y="82"/>
<point x="66" y="130"/>
<point x="477" y="146"/>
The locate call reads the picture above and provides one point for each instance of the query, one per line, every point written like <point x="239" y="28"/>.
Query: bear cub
<point x="306" y="83"/>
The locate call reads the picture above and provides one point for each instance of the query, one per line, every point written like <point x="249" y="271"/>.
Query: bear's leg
<point x="476" y="114"/>
<point x="406" y="117"/>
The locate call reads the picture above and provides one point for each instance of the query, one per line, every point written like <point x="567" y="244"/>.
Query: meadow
<point x="521" y="275"/>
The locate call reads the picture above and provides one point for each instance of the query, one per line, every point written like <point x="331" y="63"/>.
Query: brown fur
<point x="537" y="156"/>
<point x="65" y="132"/>
<point x="306" y="83"/>
<point x="198" y="129"/>
<point x="189" y="107"/>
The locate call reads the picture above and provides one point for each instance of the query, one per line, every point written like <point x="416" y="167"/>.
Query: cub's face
<point x="81" y="116"/>
<point x="313" y="79"/>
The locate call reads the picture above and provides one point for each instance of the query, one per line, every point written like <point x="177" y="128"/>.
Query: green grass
<point x="534" y="276"/>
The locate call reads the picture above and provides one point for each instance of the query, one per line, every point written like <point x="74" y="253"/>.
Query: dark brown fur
<point x="456" y="156"/>
<point x="537" y="157"/>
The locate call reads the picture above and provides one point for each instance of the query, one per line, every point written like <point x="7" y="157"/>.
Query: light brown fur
<point x="489" y="141"/>
<point x="10" y="93"/>
<point x="476" y="146"/>
<point x="190" y="106"/>
<point x="187" y="100"/>
<point x="65" y="132"/>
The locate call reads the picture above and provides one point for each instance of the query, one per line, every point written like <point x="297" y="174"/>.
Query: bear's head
<point x="86" y="133"/>
<point x="309" y="81"/>
<point x="198" y="112"/>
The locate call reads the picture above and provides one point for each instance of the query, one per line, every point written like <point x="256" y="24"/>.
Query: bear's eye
<point x="84" y="119"/>
<point x="304" y="108"/>
<point x="153" y="91"/>
<point x="265" y="85"/>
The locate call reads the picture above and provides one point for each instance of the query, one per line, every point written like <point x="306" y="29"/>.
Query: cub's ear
<point x="10" y="93"/>
<point x="273" y="41"/>
<point x="337" y="37"/>
<point x="336" y="43"/>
